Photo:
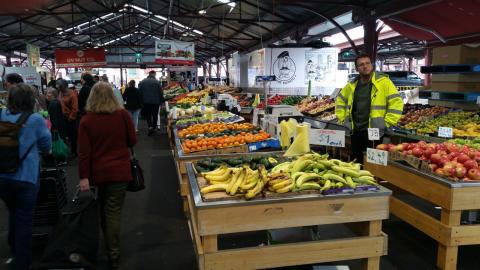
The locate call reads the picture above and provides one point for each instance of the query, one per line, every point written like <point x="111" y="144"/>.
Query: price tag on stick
<point x="378" y="157"/>
<point x="373" y="134"/>
<point x="445" y="132"/>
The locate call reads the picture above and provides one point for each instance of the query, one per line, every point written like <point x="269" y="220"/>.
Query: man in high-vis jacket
<point x="369" y="101"/>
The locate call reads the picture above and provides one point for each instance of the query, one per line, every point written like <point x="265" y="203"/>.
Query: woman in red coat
<point x="105" y="134"/>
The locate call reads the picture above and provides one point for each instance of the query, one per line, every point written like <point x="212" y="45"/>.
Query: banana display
<point x="311" y="171"/>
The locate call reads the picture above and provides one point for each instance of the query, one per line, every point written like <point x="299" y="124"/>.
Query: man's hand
<point x="84" y="184"/>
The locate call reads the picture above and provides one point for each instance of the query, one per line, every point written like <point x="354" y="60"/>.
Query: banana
<point x="250" y="185"/>
<point x="350" y="182"/>
<point x="272" y="160"/>
<point x="309" y="185"/>
<point x="334" y="177"/>
<point x="253" y="177"/>
<point x="235" y="174"/>
<point x="285" y="189"/>
<point x="306" y="177"/>
<point x="346" y="171"/>
<point x="213" y="188"/>
<point x="276" y="181"/>
<point x="255" y="191"/>
<point x="296" y="175"/>
<point x="219" y="178"/>
<point x="282" y="167"/>
<point x="365" y="173"/>
<point x="299" y="166"/>
<point x="326" y="186"/>
<point x="238" y="182"/>
<point x="277" y="175"/>
<point x="282" y="184"/>
<point x="218" y="171"/>
<point x="339" y="185"/>
<point x="326" y="163"/>
<point x="357" y="166"/>
<point x="368" y="180"/>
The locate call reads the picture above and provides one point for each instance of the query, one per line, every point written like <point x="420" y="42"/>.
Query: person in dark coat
<point x="55" y="113"/>
<point x="152" y="97"/>
<point x="133" y="102"/>
<point x="87" y="83"/>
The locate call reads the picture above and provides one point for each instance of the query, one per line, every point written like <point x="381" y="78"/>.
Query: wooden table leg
<point x="210" y="243"/>
<point x="447" y="255"/>
<point x="374" y="228"/>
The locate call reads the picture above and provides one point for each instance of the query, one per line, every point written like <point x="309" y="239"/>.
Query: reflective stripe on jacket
<point x="386" y="103"/>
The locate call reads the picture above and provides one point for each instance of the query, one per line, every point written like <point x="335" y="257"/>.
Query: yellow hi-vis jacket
<point x="386" y="104"/>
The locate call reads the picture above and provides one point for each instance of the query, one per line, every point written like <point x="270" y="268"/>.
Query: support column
<point x="9" y="59"/>
<point x="227" y="71"/>
<point x="121" y="76"/>
<point x="209" y="69"/>
<point x="370" y="39"/>
<point x="218" y="69"/>
<point x="410" y="61"/>
<point x="428" y="61"/>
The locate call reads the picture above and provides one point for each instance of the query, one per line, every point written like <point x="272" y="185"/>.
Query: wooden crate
<point x="450" y="196"/>
<point x="210" y="219"/>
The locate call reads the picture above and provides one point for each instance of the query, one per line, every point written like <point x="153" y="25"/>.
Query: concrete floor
<point x="155" y="234"/>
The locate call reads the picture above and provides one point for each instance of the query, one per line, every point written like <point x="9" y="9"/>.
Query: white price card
<point x="435" y="95"/>
<point x="327" y="137"/>
<point x="375" y="156"/>
<point x="174" y="113"/>
<point x="167" y="108"/>
<point x="445" y="132"/>
<point x="373" y="134"/>
<point x="202" y="108"/>
<point x="478" y="100"/>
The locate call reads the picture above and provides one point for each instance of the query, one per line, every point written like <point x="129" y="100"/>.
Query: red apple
<point x="470" y="164"/>
<point x="440" y="171"/>
<point x="443" y="161"/>
<point x="474" y="174"/>
<point x="453" y="155"/>
<point x="449" y="169"/>
<point x="435" y="158"/>
<point x="442" y="152"/>
<point x="428" y="153"/>
<point x="462" y="158"/>
<point x="433" y="166"/>
<point x="417" y="151"/>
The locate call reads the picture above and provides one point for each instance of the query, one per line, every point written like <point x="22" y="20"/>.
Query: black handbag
<point x="138" y="182"/>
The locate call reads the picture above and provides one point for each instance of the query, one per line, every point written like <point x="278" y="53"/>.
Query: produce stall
<point x="209" y="219"/>
<point x="452" y="197"/>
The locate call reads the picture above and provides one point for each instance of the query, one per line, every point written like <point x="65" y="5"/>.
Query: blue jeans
<point x="134" y="114"/>
<point x="20" y="199"/>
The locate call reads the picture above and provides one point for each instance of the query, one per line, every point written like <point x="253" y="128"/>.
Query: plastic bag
<point x="59" y="148"/>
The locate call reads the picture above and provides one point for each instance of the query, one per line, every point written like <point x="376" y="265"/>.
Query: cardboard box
<point x="475" y="77"/>
<point x="459" y="54"/>
<point x="456" y="86"/>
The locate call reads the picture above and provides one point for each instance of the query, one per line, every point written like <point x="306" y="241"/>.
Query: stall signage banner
<point x="33" y="55"/>
<point x="171" y="52"/>
<point x="327" y="137"/>
<point x="74" y="58"/>
<point x="378" y="157"/>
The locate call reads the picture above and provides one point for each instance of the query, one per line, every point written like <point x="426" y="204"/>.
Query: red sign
<point x="72" y="58"/>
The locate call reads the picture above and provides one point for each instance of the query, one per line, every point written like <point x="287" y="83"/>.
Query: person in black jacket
<point x="87" y="83"/>
<point x="133" y="102"/>
<point x="55" y="112"/>
<point x="152" y="96"/>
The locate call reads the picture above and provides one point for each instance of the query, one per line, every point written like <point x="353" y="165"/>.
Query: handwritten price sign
<point x="373" y="134"/>
<point x="445" y="132"/>
<point x="378" y="157"/>
<point x="327" y="137"/>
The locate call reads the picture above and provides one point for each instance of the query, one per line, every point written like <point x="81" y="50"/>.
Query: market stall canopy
<point x="442" y="22"/>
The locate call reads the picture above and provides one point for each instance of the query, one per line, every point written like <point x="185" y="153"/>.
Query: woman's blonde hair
<point x="102" y="99"/>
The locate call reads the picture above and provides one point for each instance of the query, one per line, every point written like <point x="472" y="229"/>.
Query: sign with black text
<point x="378" y="157"/>
<point x="327" y="137"/>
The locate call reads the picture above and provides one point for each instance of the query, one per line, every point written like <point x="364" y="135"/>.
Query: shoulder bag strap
<point x="21" y="120"/>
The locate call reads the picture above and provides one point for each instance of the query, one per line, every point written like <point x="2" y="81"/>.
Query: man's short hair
<point x="13" y="78"/>
<point x="87" y="77"/>
<point x="362" y="55"/>
<point x="62" y="83"/>
<point x="152" y="73"/>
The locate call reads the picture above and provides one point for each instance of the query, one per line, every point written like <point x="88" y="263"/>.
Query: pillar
<point x="227" y="71"/>
<point x="370" y="38"/>
<point x="9" y="59"/>
<point x="428" y="61"/>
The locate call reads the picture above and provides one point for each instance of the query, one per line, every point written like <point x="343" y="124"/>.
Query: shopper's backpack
<point x="10" y="159"/>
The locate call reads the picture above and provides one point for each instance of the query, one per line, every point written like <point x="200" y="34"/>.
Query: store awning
<point x="443" y="22"/>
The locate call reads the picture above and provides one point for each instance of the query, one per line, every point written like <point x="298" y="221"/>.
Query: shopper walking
<point x="69" y="102"/>
<point x="12" y="79"/>
<point x="87" y="83"/>
<point x="152" y="97"/>
<point x="55" y="113"/>
<point x="133" y="102"/>
<point x="19" y="190"/>
<point x="105" y="134"/>
<point x="370" y="101"/>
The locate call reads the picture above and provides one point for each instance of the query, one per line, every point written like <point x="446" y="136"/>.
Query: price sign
<point x="327" y="137"/>
<point x="478" y="100"/>
<point x="435" y="95"/>
<point x="445" y="132"/>
<point x="373" y="134"/>
<point x="174" y="113"/>
<point x="202" y="108"/>
<point x="378" y="157"/>
<point x="167" y="108"/>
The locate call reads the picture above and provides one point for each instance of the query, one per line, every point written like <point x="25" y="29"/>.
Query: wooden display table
<point x="181" y="159"/>
<point x="452" y="197"/>
<point x="210" y="219"/>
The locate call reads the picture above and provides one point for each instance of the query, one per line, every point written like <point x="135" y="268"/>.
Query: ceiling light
<point x="203" y="11"/>
<point x="59" y="28"/>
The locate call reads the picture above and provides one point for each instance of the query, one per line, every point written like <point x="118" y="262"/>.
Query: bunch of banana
<point x="236" y="180"/>
<point x="305" y="180"/>
<point x="280" y="182"/>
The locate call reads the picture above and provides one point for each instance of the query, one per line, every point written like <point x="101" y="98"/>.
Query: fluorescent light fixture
<point x="59" y="28"/>
<point x="203" y="11"/>
<point x="198" y="32"/>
